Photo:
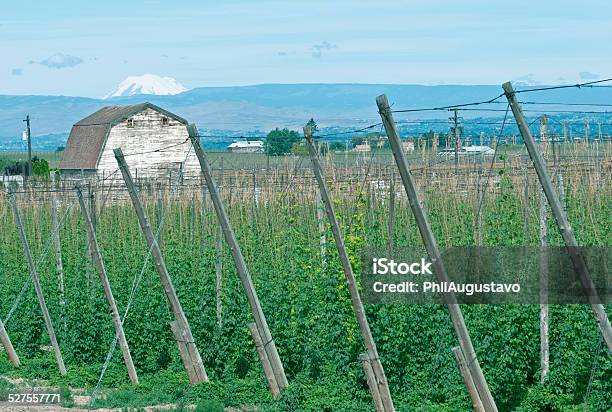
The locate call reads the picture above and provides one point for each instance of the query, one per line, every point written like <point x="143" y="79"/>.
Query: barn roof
<point x="88" y="136"/>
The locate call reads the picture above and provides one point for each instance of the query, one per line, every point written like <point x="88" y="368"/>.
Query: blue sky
<point x="85" y="48"/>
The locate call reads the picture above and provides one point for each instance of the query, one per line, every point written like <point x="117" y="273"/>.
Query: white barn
<point x="246" y="146"/>
<point x="139" y="130"/>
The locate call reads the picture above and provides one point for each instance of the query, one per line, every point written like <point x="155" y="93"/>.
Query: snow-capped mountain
<point x="147" y="84"/>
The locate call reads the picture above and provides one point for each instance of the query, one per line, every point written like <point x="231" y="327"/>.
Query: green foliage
<point x="280" y="141"/>
<point x="307" y="305"/>
<point x="40" y="167"/>
<point x="209" y="406"/>
<point x="337" y="146"/>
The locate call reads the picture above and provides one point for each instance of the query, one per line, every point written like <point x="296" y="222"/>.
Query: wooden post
<point x="99" y="264"/>
<point x="93" y="212"/>
<point x="391" y="223"/>
<point x="191" y="358"/>
<point x="371" y="380"/>
<point x="37" y="286"/>
<point x="243" y="272"/>
<point x="526" y="206"/>
<point x="265" y="362"/>
<point x="543" y="257"/>
<point x="543" y="254"/>
<point x="434" y="254"/>
<point x="358" y="308"/>
<point x="57" y="246"/>
<point x="219" y="275"/>
<point x="321" y="224"/>
<point x="467" y="380"/>
<point x="560" y="217"/>
<point x="8" y="346"/>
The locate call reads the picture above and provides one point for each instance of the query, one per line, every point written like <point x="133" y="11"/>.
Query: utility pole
<point x="27" y="122"/>
<point x="561" y="218"/>
<point x="465" y="342"/>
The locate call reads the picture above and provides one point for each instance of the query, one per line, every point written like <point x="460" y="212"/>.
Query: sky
<point x="85" y="48"/>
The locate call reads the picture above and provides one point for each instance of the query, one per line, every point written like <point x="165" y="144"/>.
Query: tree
<point x="337" y="146"/>
<point x="357" y="140"/>
<point x="279" y="142"/>
<point x="40" y="167"/>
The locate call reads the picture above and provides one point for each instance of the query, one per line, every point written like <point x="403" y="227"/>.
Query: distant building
<point x="408" y="146"/>
<point x="246" y="146"/>
<point x="485" y="150"/>
<point x="138" y="130"/>
<point x="381" y="142"/>
<point x="364" y="147"/>
<point x="468" y="150"/>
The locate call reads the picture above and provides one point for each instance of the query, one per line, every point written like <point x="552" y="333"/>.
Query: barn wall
<point x="148" y="134"/>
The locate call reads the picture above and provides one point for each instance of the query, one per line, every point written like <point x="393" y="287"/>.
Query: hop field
<point x="303" y="294"/>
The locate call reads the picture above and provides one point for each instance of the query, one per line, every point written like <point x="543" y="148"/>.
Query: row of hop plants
<point x="306" y="302"/>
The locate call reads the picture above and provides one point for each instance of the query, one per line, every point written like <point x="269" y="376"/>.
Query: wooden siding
<point x="149" y="134"/>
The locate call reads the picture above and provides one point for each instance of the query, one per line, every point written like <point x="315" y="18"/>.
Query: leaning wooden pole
<point x="37" y="286"/>
<point x="371" y="381"/>
<point x="467" y="380"/>
<point x="191" y="357"/>
<point x="358" y="308"/>
<point x="560" y="217"/>
<point x="434" y="254"/>
<point x="8" y="346"/>
<point x="99" y="264"/>
<point x="265" y="361"/>
<point x="243" y="272"/>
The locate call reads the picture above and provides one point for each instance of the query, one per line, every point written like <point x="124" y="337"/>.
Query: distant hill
<point x="263" y="107"/>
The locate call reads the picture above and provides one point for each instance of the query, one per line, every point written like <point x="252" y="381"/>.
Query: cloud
<point x="317" y="49"/>
<point x="17" y="72"/>
<point x="588" y="76"/>
<point x="60" y="61"/>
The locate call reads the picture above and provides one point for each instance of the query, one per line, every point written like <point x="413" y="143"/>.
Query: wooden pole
<point x="434" y="254"/>
<point x="543" y="255"/>
<point x="191" y="358"/>
<point x="350" y="278"/>
<point x="526" y="206"/>
<point x="243" y="272"/>
<point x="391" y="222"/>
<point x="560" y="217"/>
<point x="544" y="347"/>
<point x="265" y="362"/>
<point x="467" y="380"/>
<point x="99" y="264"/>
<point x="371" y="380"/>
<point x="219" y="275"/>
<point x="57" y="246"/>
<point x="321" y="224"/>
<point x="219" y="260"/>
<point x="8" y="346"/>
<point x="37" y="286"/>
